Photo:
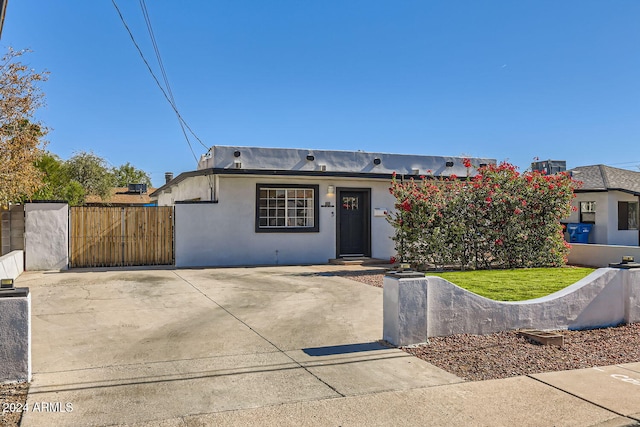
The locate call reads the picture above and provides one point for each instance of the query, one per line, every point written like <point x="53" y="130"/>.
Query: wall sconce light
<point x="310" y="157"/>
<point x="377" y="161"/>
<point x="449" y="164"/>
<point x="236" y="153"/>
<point x="330" y="189"/>
<point x="6" y="283"/>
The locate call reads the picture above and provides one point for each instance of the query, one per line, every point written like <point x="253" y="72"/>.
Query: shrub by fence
<point x="497" y="219"/>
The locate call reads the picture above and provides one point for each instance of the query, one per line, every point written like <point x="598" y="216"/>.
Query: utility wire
<point x="183" y="123"/>
<point x="152" y="36"/>
<point x="167" y="97"/>
<point x="170" y="97"/>
<point x="147" y="20"/>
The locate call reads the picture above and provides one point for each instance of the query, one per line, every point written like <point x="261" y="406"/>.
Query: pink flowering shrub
<point x="497" y="219"/>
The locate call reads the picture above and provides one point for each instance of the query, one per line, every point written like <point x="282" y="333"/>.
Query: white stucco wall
<point x="334" y="161"/>
<point x="632" y="296"/>
<point x="196" y="187"/>
<point x="46" y="236"/>
<point x="599" y="232"/>
<point x="606" y="297"/>
<point x="405" y="310"/>
<point x="12" y="265"/>
<point x="615" y="236"/>
<point x="223" y="233"/>
<point x="605" y="230"/>
<point x="15" y="330"/>
<point x="600" y="255"/>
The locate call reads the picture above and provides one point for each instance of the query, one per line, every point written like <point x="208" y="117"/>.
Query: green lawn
<point x="515" y="285"/>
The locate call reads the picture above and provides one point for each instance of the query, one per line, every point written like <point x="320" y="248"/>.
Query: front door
<point x="353" y="222"/>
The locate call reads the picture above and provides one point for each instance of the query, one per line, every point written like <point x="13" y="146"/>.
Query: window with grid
<point x="588" y="212"/>
<point x="286" y="208"/>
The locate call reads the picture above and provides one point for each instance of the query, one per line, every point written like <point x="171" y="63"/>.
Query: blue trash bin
<point x="579" y="232"/>
<point x="572" y="229"/>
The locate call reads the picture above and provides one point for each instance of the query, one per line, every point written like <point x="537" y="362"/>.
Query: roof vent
<point x="449" y="164"/>
<point x="168" y="176"/>
<point x="377" y="161"/>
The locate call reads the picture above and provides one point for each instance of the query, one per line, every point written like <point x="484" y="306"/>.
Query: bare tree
<point x="21" y="135"/>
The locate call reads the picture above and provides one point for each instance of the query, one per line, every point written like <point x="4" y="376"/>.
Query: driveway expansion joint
<point x="260" y="335"/>
<point x="585" y="400"/>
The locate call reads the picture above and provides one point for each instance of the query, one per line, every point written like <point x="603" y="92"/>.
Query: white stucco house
<point x="262" y="206"/>
<point x="608" y="199"/>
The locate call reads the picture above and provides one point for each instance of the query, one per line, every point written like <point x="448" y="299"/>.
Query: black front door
<point x="353" y="227"/>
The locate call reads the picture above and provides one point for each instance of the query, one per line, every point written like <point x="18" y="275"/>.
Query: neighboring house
<point x="290" y="206"/>
<point x="608" y="199"/>
<point x="133" y="195"/>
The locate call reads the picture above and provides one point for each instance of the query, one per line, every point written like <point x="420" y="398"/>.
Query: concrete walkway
<point x="268" y="346"/>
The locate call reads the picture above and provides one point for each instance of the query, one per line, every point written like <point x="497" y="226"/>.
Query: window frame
<point x="623" y="215"/>
<point x="591" y="211"/>
<point x="289" y="229"/>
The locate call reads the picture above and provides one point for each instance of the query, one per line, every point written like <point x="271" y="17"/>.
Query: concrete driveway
<point x="270" y="347"/>
<point x="113" y="347"/>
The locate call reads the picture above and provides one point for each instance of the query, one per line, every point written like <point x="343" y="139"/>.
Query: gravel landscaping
<point x="506" y="354"/>
<point x="12" y="397"/>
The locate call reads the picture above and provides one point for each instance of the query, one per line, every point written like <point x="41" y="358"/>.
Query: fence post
<point x="405" y="308"/>
<point x="46" y="236"/>
<point x="15" y="305"/>
<point x="632" y="295"/>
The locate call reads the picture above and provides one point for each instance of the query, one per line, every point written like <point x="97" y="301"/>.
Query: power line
<point x="182" y="122"/>
<point x="168" y="97"/>
<point x="171" y="99"/>
<point x="152" y="36"/>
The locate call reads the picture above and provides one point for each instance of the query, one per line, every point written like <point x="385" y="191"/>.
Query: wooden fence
<point x="121" y="236"/>
<point x="11" y="228"/>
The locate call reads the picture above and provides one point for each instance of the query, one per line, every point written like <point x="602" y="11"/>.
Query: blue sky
<point x="504" y="79"/>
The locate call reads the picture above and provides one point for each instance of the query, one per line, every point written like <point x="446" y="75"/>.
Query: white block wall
<point x="46" y="236"/>
<point x="15" y="345"/>
<point x="607" y="297"/>
<point x="600" y="255"/>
